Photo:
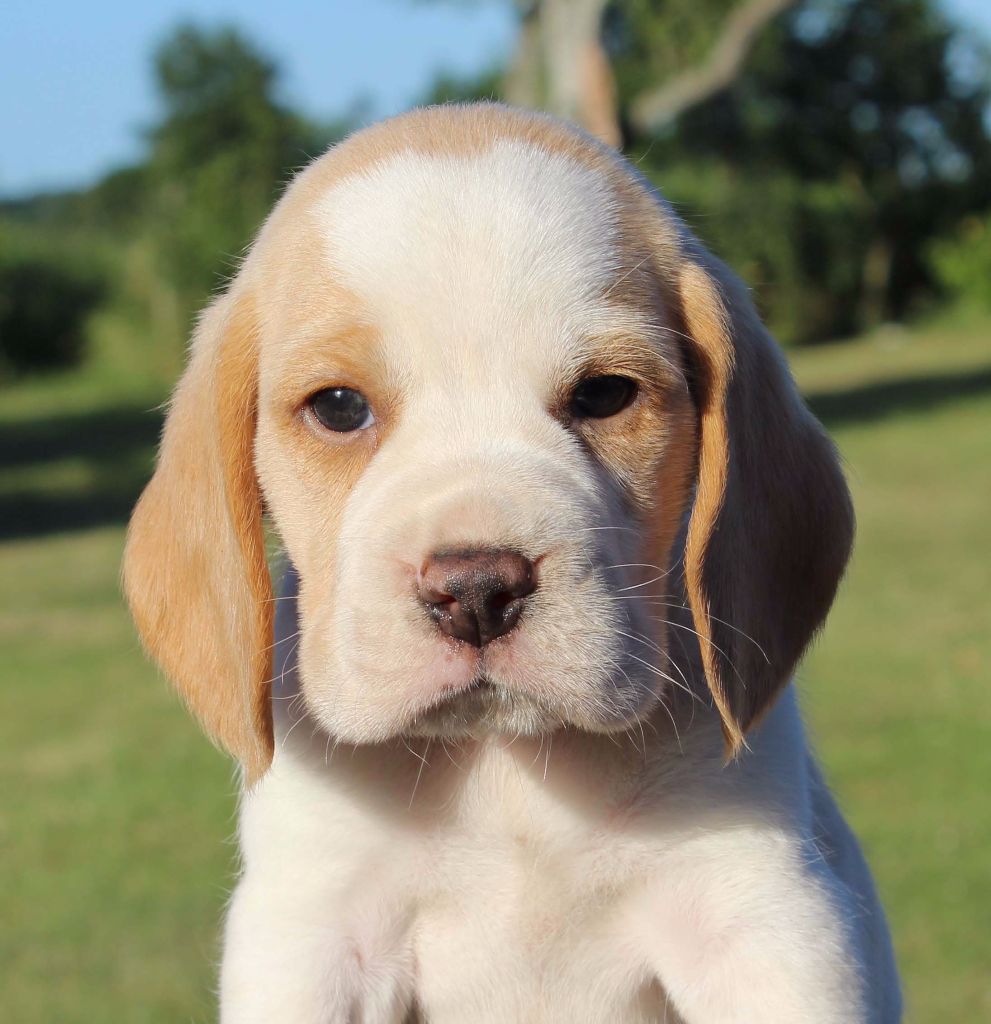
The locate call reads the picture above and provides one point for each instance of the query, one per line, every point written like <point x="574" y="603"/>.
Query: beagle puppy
<point x="559" y="530"/>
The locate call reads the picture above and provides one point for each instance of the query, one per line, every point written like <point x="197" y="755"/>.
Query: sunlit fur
<point x="624" y="824"/>
<point x="486" y="282"/>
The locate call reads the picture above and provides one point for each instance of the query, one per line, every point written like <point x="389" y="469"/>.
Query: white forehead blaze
<point x="506" y="252"/>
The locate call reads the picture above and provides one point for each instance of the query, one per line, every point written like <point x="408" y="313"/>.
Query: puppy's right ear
<point x="195" y="573"/>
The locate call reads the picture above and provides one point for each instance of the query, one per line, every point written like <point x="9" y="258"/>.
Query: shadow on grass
<point x="888" y="398"/>
<point x="115" y="448"/>
<point x="111" y="449"/>
<point x="103" y="435"/>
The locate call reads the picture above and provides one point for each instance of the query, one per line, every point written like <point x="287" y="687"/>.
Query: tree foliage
<point x="47" y="291"/>
<point x="878" y="104"/>
<point x="223" y="150"/>
<point x="962" y="262"/>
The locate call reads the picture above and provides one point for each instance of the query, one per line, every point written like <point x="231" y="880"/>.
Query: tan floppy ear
<point x="195" y="574"/>
<point x="772" y="523"/>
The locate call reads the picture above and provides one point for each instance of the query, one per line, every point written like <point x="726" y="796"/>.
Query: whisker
<point x="289" y="731"/>
<point x="637" y="635"/>
<point x="281" y="640"/>
<point x="443" y="744"/>
<point x="715" y="618"/>
<point x="674" y="724"/>
<point x="423" y="763"/>
<point x="714" y="646"/>
<point x="660" y="674"/>
<point x="656" y="602"/>
<point x="620" y="280"/>
<point x="683" y="685"/>
<point x="646" y="583"/>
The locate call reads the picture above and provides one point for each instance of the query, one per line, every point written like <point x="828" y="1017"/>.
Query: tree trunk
<point x="657" y="108"/>
<point x="579" y="79"/>
<point x="561" y="66"/>
<point x="875" y="281"/>
<point x="523" y="82"/>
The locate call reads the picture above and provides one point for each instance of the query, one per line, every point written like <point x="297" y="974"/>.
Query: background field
<point x="115" y="827"/>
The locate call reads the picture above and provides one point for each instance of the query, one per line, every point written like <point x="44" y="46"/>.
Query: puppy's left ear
<point x="772" y="522"/>
<point x="195" y="573"/>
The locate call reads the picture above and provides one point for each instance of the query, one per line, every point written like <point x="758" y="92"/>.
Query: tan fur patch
<point x="194" y="567"/>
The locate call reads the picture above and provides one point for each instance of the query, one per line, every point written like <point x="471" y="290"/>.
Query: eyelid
<point x="303" y="398"/>
<point x="648" y="365"/>
<point x="630" y="390"/>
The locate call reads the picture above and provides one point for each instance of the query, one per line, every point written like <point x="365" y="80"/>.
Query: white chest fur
<point x="592" y="880"/>
<point x="620" y="879"/>
<point x="496" y="887"/>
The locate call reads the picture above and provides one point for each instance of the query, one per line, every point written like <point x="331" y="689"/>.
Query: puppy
<point x="559" y="529"/>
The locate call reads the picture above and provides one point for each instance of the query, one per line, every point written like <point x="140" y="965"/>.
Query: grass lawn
<point x="116" y="814"/>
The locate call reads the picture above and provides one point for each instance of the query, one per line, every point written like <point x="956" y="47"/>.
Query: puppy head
<point x="482" y="379"/>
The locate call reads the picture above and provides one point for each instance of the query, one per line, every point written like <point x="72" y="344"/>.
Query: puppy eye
<point x="599" y="397"/>
<point x="342" y="409"/>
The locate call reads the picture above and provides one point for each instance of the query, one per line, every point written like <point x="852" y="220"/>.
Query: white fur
<point x="502" y="881"/>
<point x="487" y="279"/>
<point x="454" y="253"/>
<point x="559" y="874"/>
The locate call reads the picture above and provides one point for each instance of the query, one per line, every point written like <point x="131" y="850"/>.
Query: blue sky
<point x="76" y="89"/>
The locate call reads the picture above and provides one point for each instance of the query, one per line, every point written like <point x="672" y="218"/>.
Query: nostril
<point x="431" y="592"/>
<point x="499" y="601"/>
<point x="476" y="595"/>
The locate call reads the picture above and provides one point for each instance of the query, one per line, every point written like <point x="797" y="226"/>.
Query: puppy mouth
<point x="465" y="703"/>
<point x="487" y="705"/>
<point x="482" y="706"/>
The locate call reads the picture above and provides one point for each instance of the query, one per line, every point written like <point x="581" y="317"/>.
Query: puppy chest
<point x="530" y="935"/>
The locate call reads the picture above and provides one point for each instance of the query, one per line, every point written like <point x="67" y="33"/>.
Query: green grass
<point x="897" y="692"/>
<point x="116" y="814"/>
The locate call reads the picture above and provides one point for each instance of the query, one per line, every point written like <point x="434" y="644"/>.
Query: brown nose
<point x="476" y="595"/>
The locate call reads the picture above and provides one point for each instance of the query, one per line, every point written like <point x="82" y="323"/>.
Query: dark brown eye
<point x="599" y="397"/>
<point x="342" y="409"/>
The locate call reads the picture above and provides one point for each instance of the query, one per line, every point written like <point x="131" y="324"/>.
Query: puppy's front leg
<point x="294" y="958"/>
<point x="746" y="930"/>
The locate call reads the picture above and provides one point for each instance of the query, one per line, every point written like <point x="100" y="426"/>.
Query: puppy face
<point x="499" y="403"/>
<point x="472" y="300"/>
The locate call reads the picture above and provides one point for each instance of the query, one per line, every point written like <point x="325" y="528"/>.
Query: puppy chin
<point x="483" y="708"/>
<point x="446" y="696"/>
<point x="487" y="709"/>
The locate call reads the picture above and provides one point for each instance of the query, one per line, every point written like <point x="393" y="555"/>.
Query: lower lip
<point x="474" y="686"/>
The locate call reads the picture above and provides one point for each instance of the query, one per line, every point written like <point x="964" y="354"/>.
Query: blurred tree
<point x="821" y="152"/>
<point x="697" y="47"/>
<point x="46" y="296"/>
<point x="219" y="156"/>
<point x="880" y="100"/>
<point x="962" y="262"/>
<point x="447" y="88"/>
<point x="560" y="64"/>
